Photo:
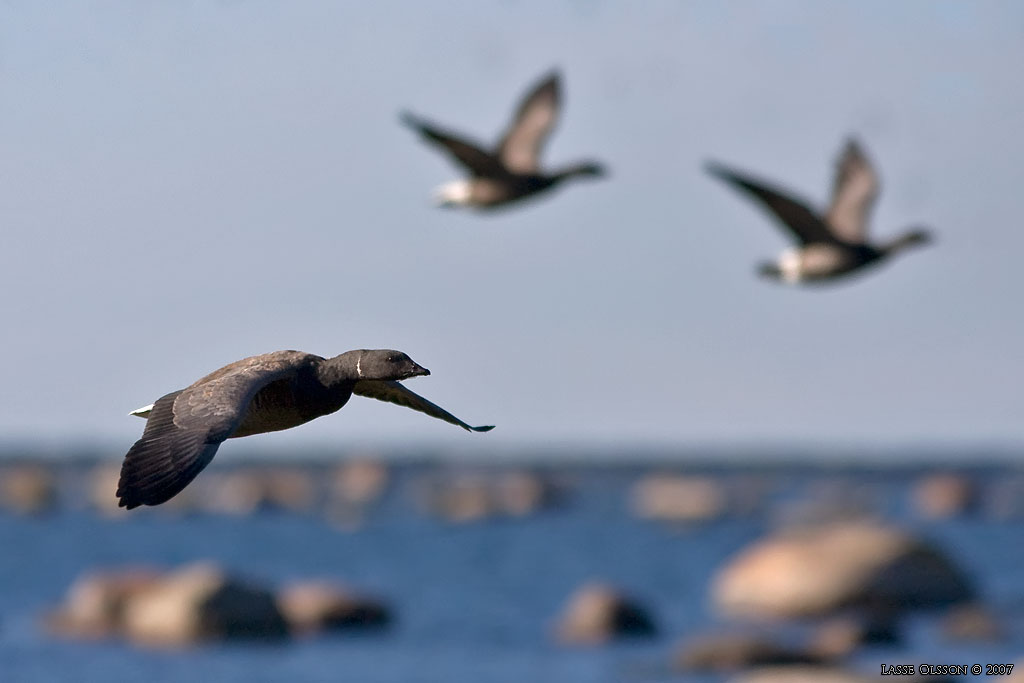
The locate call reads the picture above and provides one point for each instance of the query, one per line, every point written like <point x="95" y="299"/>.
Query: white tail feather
<point x="142" y="412"/>
<point x="456" y="193"/>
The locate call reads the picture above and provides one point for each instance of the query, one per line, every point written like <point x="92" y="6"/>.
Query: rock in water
<point x="199" y="603"/>
<point x="28" y="489"/>
<point x="815" y="571"/>
<point x="944" y="496"/>
<point x="95" y="604"/>
<point x="597" y="613"/>
<point x="676" y="498"/>
<point x="318" y="606"/>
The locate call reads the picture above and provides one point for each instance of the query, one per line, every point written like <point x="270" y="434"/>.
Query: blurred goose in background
<point x="260" y="394"/>
<point x="832" y="245"/>
<point x="512" y="170"/>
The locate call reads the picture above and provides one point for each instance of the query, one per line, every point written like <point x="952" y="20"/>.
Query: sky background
<point x="186" y="184"/>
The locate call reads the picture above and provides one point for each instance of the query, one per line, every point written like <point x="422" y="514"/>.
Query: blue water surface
<point x="474" y="602"/>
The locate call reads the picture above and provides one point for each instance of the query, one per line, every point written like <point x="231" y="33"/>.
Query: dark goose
<point x="266" y="393"/>
<point x="832" y="245"/>
<point x="512" y="170"/>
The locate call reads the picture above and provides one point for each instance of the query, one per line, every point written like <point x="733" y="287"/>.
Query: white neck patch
<point x="359" y="370"/>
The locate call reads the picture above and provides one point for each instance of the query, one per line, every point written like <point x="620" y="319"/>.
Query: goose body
<point x="833" y="244"/>
<point x="265" y="393"/>
<point x="511" y="171"/>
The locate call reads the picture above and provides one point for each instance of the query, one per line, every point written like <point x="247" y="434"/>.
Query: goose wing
<point x="476" y="160"/>
<point x="534" y="120"/>
<point x="184" y="428"/>
<point x="853" y="195"/>
<point x="792" y="213"/>
<point x="395" y="392"/>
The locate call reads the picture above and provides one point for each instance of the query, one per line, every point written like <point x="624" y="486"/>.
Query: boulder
<point x="470" y="497"/>
<point x="95" y="603"/>
<point x="521" y="493"/>
<point x="200" y="603"/>
<point x="103" y="490"/>
<point x="815" y="571"/>
<point x="352" y="488"/>
<point x="942" y="496"/>
<point x="27" y="489"/>
<point x="358" y="482"/>
<point x="677" y="498"/>
<point x="319" y="606"/>
<point x="597" y="613"/>
<point x="463" y="499"/>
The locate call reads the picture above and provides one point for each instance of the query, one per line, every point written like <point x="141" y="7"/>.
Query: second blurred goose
<point x="830" y="245"/>
<point x="512" y="170"/>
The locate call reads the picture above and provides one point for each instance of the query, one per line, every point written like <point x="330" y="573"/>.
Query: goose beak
<point x="419" y="371"/>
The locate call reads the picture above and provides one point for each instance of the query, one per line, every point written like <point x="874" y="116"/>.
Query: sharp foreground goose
<point x="832" y="245"/>
<point x="260" y="394"/>
<point x="512" y="170"/>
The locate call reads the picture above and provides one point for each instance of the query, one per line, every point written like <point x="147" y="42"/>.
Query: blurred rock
<point x="735" y="651"/>
<point x="973" y="622"/>
<point x="103" y="489"/>
<point x="942" y="496"/>
<point x="678" y="498"/>
<point x="248" y="490"/>
<point x="470" y="497"/>
<point x="319" y="606"/>
<point x="95" y="603"/>
<point x="522" y="493"/>
<point x="27" y="489"/>
<point x="461" y="500"/>
<point x="814" y="571"/>
<point x="200" y="603"/>
<point x="353" y="487"/>
<point x="597" y="613"/>
<point x="358" y="482"/>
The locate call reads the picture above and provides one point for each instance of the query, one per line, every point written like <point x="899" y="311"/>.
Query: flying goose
<point x="512" y="170"/>
<point x="260" y="394"/>
<point x="833" y="244"/>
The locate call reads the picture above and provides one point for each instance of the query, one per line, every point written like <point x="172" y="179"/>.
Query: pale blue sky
<point x="185" y="184"/>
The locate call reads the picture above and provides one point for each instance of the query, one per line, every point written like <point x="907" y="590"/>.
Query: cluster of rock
<point x="203" y="602"/>
<point x="344" y="493"/>
<point x="347" y="491"/>
<point x="473" y="496"/>
<point x="854" y="579"/>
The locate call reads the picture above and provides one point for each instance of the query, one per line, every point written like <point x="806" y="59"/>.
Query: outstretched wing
<point x="165" y="459"/>
<point x="184" y="428"/>
<point x="395" y="392"/>
<point x="475" y="159"/>
<point x="794" y="214"/>
<point x="520" y="149"/>
<point x="853" y="195"/>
